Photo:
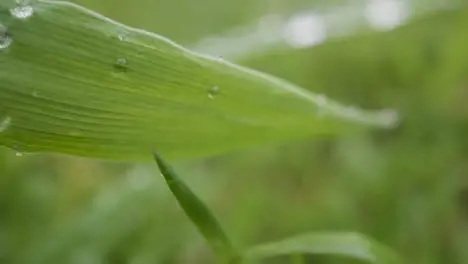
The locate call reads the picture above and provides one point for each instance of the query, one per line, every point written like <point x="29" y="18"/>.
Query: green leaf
<point x="75" y="82"/>
<point x="198" y="213"/>
<point x="351" y="245"/>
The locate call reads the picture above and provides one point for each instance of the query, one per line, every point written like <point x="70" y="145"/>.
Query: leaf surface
<point x="75" y="82"/>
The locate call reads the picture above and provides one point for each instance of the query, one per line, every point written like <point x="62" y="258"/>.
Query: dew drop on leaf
<point x="5" y="124"/>
<point x="121" y="35"/>
<point x="23" y="9"/>
<point x="121" y="65"/>
<point x="213" y="92"/>
<point x="5" y="38"/>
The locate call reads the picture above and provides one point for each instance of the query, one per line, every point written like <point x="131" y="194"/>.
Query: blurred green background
<point x="406" y="187"/>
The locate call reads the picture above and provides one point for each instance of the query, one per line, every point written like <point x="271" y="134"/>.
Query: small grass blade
<point x="198" y="213"/>
<point x="351" y="245"/>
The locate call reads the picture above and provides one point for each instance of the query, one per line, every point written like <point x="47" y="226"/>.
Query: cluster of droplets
<point x="22" y="10"/>
<point x="120" y="65"/>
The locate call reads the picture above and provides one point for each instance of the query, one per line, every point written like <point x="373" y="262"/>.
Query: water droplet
<point x="121" y="65"/>
<point x="23" y="10"/>
<point x="5" y="38"/>
<point x="5" y="124"/>
<point x="121" y="35"/>
<point x="18" y="154"/>
<point x="213" y="92"/>
<point x="35" y="93"/>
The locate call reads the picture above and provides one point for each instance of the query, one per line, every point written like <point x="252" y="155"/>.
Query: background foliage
<point x="404" y="187"/>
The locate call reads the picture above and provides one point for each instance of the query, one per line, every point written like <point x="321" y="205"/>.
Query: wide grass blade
<point x="75" y="82"/>
<point x="198" y="213"/>
<point x="352" y="245"/>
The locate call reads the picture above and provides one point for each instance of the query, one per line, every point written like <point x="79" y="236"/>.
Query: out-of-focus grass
<point x="406" y="188"/>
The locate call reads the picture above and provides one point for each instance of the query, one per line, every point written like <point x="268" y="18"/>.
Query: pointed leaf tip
<point x="165" y="169"/>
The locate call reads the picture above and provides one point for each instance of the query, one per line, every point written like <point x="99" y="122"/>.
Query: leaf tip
<point x="164" y="167"/>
